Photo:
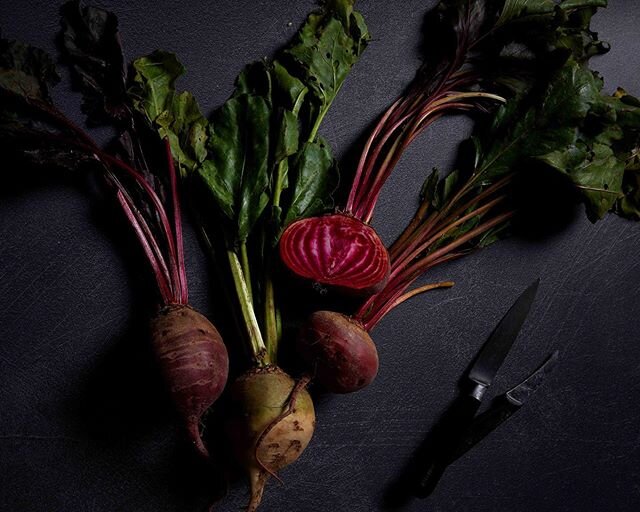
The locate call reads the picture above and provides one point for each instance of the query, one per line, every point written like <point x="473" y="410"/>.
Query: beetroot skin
<point x="272" y="421"/>
<point x="339" y="351"/>
<point x="194" y="362"/>
<point x="338" y="251"/>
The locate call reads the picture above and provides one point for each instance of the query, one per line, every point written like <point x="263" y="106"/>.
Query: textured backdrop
<point x="84" y="425"/>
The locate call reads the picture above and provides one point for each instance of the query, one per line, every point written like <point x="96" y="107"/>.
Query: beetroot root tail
<point x="258" y="482"/>
<point x="195" y="436"/>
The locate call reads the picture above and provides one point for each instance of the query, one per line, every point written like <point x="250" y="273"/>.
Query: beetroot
<point x="342" y="249"/>
<point x="338" y="349"/>
<point x="194" y="362"/>
<point x="138" y="167"/>
<point x="189" y="349"/>
<point x="339" y="352"/>
<point x="336" y="250"/>
<point x="272" y="421"/>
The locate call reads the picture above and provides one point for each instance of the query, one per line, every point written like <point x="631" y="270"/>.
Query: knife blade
<point x="504" y="407"/>
<point x="496" y="348"/>
<point x="450" y="431"/>
<point x="520" y="393"/>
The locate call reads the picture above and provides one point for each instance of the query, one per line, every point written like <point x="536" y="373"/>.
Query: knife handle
<point x="446" y="440"/>
<point x="500" y="411"/>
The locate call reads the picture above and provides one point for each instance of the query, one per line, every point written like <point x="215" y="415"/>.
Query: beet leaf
<point x="557" y="136"/>
<point x="259" y="159"/>
<point x="237" y="165"/>
<point x="176" y="116"/>
<point x="26" y="76"/>
<point x="26" y="71"/>
<point x="135" y="165"/>
<point x="92" y="48"/>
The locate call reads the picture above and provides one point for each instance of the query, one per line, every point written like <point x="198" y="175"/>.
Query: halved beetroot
<point x="336" y="250"/>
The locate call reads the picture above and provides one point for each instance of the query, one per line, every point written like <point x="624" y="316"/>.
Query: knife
<point x="504" y="407"/>
<point x="450" y="431"/>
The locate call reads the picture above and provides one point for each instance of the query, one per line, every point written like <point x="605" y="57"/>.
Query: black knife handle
<point x="447" y="437"/>
<point x="500" y="411"/>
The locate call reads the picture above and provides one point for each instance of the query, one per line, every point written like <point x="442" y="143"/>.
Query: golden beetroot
<point x="272" y="422"/>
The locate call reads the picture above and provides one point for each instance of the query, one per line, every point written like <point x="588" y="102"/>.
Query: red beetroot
<point x="336" y="250"/>
<point x="144" y="181"/>
<point x="189" y="349"/>
<point x="194" y="362"/>
<point x="338" y="349"/>
<point x="349" y="253"/>
<point x="339" y="352"/>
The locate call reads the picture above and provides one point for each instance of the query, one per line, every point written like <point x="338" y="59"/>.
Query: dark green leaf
<point x="312" y="181"/>
<point x="519" y="132"/>
<point x="627" y="110"/>
<point x="429" y="187"/>
<point x="26" y="71"/>
<point x="519" y="10"/>
<point x="570" y="97"/>
<point x="287" y="143"/>
<point x="323" y="52"/>
<point x="258" y="145"/>
<point x="514" y="9"/>
<point x="92" y="46"/>
<point x="156" y="75"/>
<point x="26" y="136"/>
<point x="445" y="190"/>
<point x="595" y="171"/>
<point x="629" y="205"/>
<point x="600" y="164"/>
<point x="24" y="144"/>
<point x="237" y="168"/>
<point x="579" y="4"/>
<point x="291" y="91"/>
<point x="255" y="79"/>
<point x="175" y="115"/>
<point x="326" y="58"/>
<point x="573" y="129"/>
<point x="495" y="234"/>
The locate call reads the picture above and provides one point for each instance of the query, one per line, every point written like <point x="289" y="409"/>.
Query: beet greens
<point x="476" y="53"/>
<point x="257" y="165"/>
<point x="567" y="126"/>
<point x="138" y="167"/>
<point x="266" y="167"/>
<point x="260" y="180"/>
<point x="556" y="133"/>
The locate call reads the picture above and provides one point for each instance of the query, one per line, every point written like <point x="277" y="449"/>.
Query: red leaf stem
<point x="128" y="209"/>
<point x="177" y="222"/>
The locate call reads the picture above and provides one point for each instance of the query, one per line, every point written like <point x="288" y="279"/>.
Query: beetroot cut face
<point x="336" y="250"/>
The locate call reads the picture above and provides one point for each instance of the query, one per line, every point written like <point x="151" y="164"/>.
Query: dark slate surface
<point x="83" y="421"/>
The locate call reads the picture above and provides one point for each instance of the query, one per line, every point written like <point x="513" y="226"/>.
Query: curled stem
<point x="417" y="291"/>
